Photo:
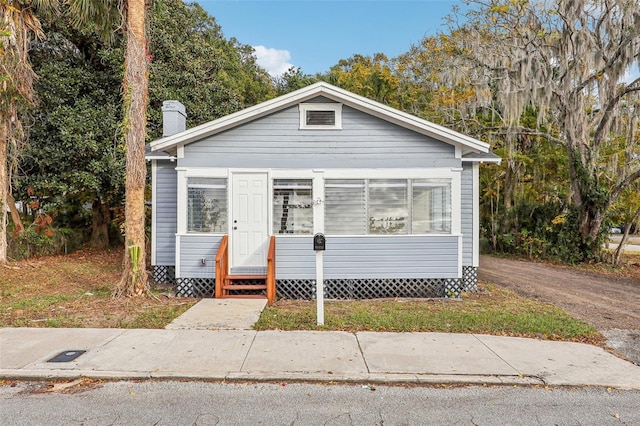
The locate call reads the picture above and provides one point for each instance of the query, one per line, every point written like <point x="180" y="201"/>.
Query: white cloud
<point x="275" y="61"/>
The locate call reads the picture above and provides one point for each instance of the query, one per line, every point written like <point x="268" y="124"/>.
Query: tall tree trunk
<point x="590" y="201"/>
<point x="625" y="236"/>
<point x="4" y="186"/>
<point x="134" y="277"/>
<point x="100" y="219"/>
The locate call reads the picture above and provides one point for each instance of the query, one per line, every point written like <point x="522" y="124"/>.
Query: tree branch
<point x="634" y="86"/>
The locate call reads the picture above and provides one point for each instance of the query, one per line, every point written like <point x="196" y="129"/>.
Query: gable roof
<point x="331" y="92"/>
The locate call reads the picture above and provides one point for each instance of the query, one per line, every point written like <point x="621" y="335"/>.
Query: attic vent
<point x="321" y="116"/>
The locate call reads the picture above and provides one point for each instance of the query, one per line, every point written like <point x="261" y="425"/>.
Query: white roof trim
<point x="334" y="93"/>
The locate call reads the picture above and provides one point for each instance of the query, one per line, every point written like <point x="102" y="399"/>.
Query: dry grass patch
<point x="75" y="291"/>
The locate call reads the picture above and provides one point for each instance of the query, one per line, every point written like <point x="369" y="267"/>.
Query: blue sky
<point x="315" y="34"/>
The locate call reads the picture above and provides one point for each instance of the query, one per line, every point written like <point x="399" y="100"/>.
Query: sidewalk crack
<point x="248" y="351"/>
<point x="496" y="354"/>
<point x="364" y="360"/>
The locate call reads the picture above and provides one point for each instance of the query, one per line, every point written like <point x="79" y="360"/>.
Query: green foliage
<point x="74" y="161"/>
<point x="193" y="63"/>
<point x="369" y="76"/>
<point x="34" y="243"/>
<point x="292" y="80"/>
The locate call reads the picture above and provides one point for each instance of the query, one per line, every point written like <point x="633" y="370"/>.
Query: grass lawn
<point x="75" y="291"/>
<point x="492" y="310"/>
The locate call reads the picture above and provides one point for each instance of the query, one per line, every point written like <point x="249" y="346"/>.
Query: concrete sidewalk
<point x="364" y="357"/>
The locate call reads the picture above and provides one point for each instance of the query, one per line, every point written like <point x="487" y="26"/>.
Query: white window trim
<point x="335" y="107"/>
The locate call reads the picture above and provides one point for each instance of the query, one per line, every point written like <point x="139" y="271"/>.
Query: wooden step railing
<point x="226" y="283"/>
<point x="271" y="271"/>
<point x="222" y="265"/>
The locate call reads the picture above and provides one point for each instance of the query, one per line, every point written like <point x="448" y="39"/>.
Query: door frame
<point x="232" y="204"/>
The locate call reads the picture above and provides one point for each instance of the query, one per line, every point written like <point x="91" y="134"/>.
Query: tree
<point x="567" y="60"/>
<point x="371" y="77"/>
<point x="74" y="158"/>
<point x="192" y="62"/>
<point x="17" y="24"/>
<point x="292" y="80"/>
<point x="136" y="98"/>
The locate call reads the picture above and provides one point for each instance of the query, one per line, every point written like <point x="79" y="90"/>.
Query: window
<point x="292" y="206"/>
<point x="431" y="206"/>
<point x="321" y="116"/>
<point x="387" y="206"/>
<point x="345" y="208"/>
<point x="207" y="205"/>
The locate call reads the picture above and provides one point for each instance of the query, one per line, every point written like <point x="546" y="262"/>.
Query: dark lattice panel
<point x="295" y="289"/>
<point x="338" y="289"/>
<point x="164" y="274"/>
<point x="469" y="278"/>
<point x="195" y="287"/>
<point x="370" y="288"/>
<point x="452" y="288"/>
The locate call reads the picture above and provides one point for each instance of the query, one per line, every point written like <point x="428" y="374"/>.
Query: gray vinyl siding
<point x="351" y="257"/>
<point x="466" y="207"/>
<point x="193" y="248"/>
<point x="166" y="213"/>
<point x="275" y="141"/>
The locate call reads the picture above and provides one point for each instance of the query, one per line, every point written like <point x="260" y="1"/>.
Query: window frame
<point x="223" y="183"/>
<point x="308" y="184"/>
<point x="410" y="183"/>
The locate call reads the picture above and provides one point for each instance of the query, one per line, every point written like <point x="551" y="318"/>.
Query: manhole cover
<point x="67" y="356"/>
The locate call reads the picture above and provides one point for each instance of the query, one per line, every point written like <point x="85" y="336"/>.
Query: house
<point x="395" y="196"/>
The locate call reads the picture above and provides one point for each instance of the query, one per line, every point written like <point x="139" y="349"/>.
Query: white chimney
<point x="174" y="118"/>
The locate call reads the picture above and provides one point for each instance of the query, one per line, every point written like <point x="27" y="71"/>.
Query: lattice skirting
<point x="162" y="274"/>
<point x="195" y="287"/>
<point x="370" y="288"/>
<point x="469" y="278"/>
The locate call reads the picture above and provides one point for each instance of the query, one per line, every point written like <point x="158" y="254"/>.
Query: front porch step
<point x="245" y="287"/>
<point x="245" y="277"/>
<point x="244" y="296"/>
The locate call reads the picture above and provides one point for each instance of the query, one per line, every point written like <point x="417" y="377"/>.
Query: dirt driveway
<point x="611" y="304"/>
<point x="603" y="301"/>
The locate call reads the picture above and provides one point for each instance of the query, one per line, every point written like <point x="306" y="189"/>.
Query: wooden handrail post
<point x="271" y="271"/>
<point x="222" y="268"/>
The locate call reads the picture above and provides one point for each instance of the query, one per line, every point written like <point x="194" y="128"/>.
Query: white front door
<point x="249" y="221"/>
